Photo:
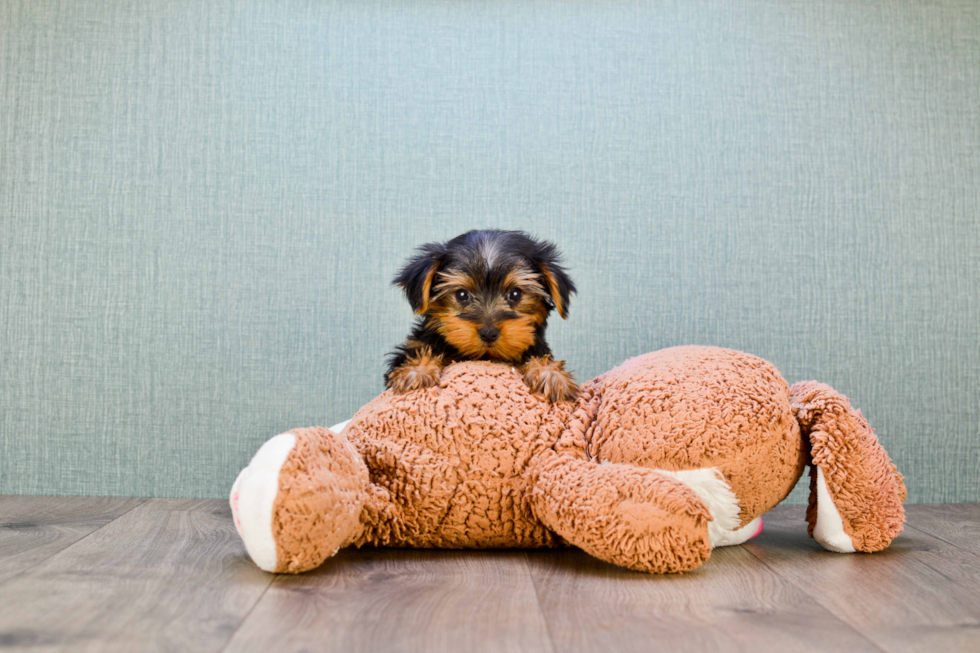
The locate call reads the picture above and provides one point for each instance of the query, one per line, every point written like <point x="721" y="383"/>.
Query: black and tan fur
<point x="484" y="295"/>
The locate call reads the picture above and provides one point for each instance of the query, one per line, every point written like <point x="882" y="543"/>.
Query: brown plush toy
<point x="658" y="461"/>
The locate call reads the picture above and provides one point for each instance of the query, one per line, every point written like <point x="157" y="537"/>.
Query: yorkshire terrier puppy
<point x="484" y="295"/>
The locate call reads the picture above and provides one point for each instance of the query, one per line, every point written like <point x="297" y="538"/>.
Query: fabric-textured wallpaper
<point x="202" y="203"/>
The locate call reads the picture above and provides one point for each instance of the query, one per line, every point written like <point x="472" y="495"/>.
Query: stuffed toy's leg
<point x="856" y="493"/>
<point x="300" y="499"/>
<point x="623" y="514"/>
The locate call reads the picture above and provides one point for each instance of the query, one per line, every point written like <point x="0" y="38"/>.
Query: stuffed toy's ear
<point x="559" y="285"/>
<point x="419" y="272"/>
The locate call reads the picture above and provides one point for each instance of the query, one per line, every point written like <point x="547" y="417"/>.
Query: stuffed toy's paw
<point x="299" y="499"/>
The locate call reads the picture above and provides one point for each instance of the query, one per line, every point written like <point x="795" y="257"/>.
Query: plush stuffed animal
<point x="658" y="461"/>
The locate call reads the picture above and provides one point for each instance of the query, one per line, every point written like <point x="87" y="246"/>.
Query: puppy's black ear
<point x="417" y="275"/>
<point x="547" y="259"/>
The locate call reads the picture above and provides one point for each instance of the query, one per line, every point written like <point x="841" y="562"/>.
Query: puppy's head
<point x="487" y="292"/>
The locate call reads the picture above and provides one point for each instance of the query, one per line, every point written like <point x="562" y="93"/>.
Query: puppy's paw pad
<point x="549" y="378"/>
<point x="414" y="379"/>
<point x="416" y="374"/>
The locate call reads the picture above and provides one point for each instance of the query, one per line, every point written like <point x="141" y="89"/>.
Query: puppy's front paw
<point x="420" y="371"/>
<point x="548" y="377"/>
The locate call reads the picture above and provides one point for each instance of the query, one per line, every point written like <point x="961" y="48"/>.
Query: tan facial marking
<point x="515" y="337"/>
<point x="461" y="334"/>
<point x="452" y="280"/>
<point x="526" y="279"/>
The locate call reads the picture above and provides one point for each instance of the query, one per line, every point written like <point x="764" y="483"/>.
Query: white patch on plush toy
<point x="829" y="529"/>
<point x="253" y="495"/>
<point x="739" y="535"/>
<point x="710" y="485"/>
<point x="339" y="426"/>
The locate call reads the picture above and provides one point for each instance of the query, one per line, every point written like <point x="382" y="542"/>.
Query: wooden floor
<point x="97" y="574"/>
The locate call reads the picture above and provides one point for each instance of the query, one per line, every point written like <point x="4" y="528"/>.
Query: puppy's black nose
<point x="489" y="334"/>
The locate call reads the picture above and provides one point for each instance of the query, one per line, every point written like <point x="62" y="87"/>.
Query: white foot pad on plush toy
<point x="829" y="529"/>
<point x="739" y="535"/>
<point x="253" y="495"/>
<point x="711" y="487"/>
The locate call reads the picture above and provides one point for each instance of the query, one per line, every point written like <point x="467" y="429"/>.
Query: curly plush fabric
<point x="865" y="486"/>
<point x="696" y="407"/>
<point x="655" y="462"/>
<point x="448" y="463"/>
<point x="322" y="487"/>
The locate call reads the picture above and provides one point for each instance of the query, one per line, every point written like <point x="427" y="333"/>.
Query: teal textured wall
<point x="202" y="203"/>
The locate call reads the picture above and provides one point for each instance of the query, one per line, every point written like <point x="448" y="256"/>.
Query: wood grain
<point x="33" y="529"/>
<point x="730" y="603"/>
<point x="956" y="523"/>
<point x="401" y="600"/>
<point x="87" y="574"/>
<point x="168" y="575"/>
<point x="920" y="594"/>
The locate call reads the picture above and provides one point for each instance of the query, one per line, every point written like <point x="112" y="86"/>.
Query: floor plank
<point x="731" y="603"/>
<point x="124" y="574"/>
<point x="168" y="575"/>
<point x="957" y="523"/>
<point x="33" y="529"/>
<point x="920" y="594"/>
<point x="401" y="600"/>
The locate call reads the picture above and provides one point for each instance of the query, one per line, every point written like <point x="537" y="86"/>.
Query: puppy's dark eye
<point x="514" y="295"/>
<point x="462" y="296"/>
